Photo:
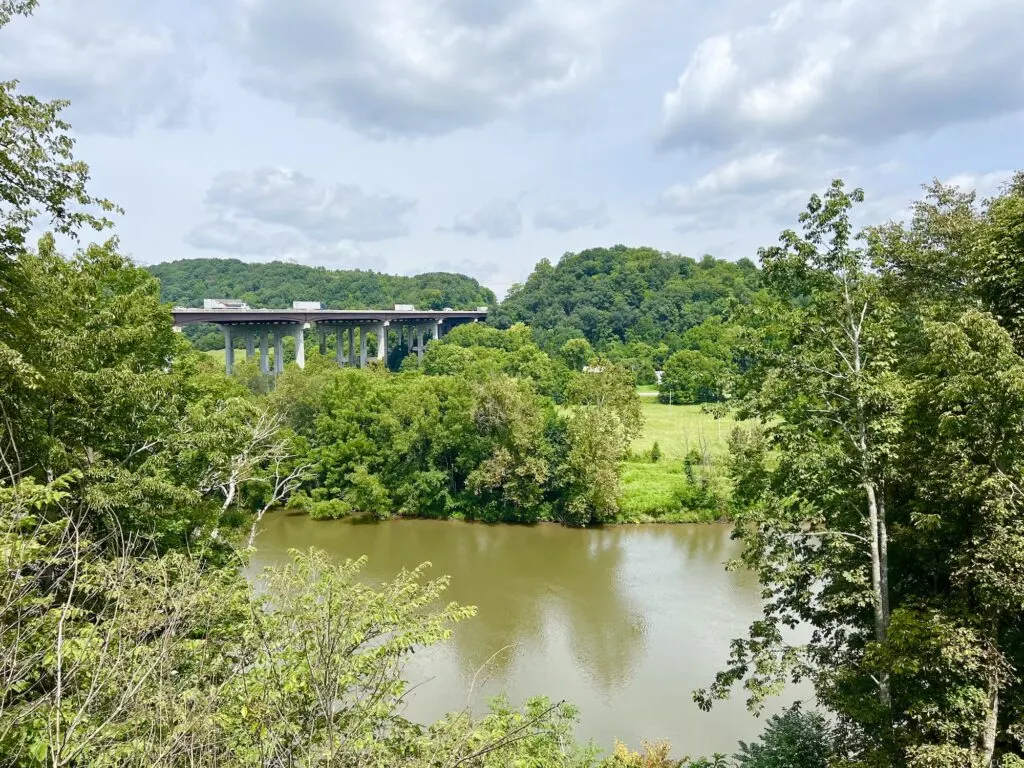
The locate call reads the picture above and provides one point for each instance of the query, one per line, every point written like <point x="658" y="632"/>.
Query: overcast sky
<point x="482" y="135"/>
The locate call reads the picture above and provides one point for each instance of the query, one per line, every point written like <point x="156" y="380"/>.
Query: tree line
<point x="476" y="433"/>
<point x="275" y="285"/>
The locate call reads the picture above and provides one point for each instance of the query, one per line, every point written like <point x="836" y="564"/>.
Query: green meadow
<point x="687" y="483"/>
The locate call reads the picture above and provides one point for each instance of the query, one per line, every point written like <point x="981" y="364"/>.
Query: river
<point x="624" y="622"/>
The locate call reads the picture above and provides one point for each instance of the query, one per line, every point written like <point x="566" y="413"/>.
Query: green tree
<point x="793" y="739"/>
<point x="589" y="472"/>
<point x="515" y="475"/>
<point x="609" y="387"/>
<point x="886" y="510"/>
<point x="830" y="420"/>
<point x="692" y="377"/>
<point x="39" y="178"/>
<point x="620" y="296"/>
<point x="576" y="353"/>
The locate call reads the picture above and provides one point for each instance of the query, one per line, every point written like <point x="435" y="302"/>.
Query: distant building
<point x="404" y="308"/>
<point x="224" y="304"/>
<point x="306" y="305"/>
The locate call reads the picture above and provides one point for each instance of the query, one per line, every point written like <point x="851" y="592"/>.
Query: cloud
<point x="418" y="67"/>
<point x="481" y="270"/>
<point x="764" y="184"/>
<point x="985" y="184"/>
<point x="498" y="220"/>
<point x="855" y="70"/>
<point x="324" y="214"/>
<point x="742" y="177"/>
<point x="277" y="212"/>
<point x="567" y="215"/>
<point x="258" y="242"/>
<point x="118" y="62"/>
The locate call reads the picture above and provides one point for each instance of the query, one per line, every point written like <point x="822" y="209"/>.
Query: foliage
<point x="653" y="756"/>
<point x="478" y="436"/>
<point x="621" y="296"/>
<point x="39" y="179"/>
<point x="609" y="387"/>
<point x="576" y="353"/>
<point x="692" y="377"/>
<point x="793" y="739"/>
<point x="166" y="450"/>
<point x="880" y="505"/>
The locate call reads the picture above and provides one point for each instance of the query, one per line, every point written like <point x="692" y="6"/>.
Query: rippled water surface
<point x="624" y="622"/>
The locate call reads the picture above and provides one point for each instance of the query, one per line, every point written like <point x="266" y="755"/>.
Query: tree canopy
<point x="620" y="295"/>
<point x="275" y="285"/>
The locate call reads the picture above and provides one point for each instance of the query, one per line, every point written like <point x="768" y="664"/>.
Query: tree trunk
<point x="879" y="581"/>
<point x="989" y="726"/>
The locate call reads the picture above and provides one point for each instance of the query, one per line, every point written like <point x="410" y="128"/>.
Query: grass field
<point x="680" y="428"/>
<point x="663" y="491"/>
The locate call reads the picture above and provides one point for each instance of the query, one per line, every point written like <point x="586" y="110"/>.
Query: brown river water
<point x="624" y="622"/>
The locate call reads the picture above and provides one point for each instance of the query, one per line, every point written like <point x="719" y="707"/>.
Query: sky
<point x="480" y="136"/>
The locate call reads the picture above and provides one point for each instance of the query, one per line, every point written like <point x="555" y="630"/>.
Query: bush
<point x="330" y="509"/>
<point x="655" y="453"/>
<point x="793" y="739"/>
<point x="300" y="501"/>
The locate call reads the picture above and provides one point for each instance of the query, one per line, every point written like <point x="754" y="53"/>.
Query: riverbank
<point x="682" y="480"/>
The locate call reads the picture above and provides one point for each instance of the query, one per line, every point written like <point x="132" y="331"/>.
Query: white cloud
<point x="862" y="70"/>
<point x="418" y="67"/>
<point x="742" y="177"/>
<point x="567" y="215"/>
<point x="985" y="184"/>
<point x="497" y="219"/>
<point x="118" y="62"/>
<point x="284" y="197"/>
<point x="261" y="243"/>
<point x="481" y="270"/>
<point x="282" y="213"/>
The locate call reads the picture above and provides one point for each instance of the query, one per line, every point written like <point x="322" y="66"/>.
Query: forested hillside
<point x="276" y="284"/>
<point x="618" y="295"/>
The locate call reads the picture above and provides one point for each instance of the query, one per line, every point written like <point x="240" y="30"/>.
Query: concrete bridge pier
<point x="278" y="351"/>
<point x="382" y="340"/>
<point x="229" y="349"/>
<point x="300" y="345"/>
<point x="264" y="352"/>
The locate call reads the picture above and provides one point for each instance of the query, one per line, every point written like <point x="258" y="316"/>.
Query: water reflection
<point x="624" y="622"/>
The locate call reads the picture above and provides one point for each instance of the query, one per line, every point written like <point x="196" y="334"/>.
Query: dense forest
<point x="876" y="378"/>
<point x="275" y="285"/>
<point x="619" y="295"/>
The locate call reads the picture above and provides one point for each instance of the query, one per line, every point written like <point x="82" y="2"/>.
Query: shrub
<point x="655" y="453"/>
<point x="330" y="509"/>
<point x="793" y="739"/>
<point x="301" y="502"/>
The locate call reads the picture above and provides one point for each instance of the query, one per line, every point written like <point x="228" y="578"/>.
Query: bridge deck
<point x="190" y="316"/>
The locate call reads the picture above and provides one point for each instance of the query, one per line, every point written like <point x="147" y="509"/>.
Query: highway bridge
<point x="409" y="328"/>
